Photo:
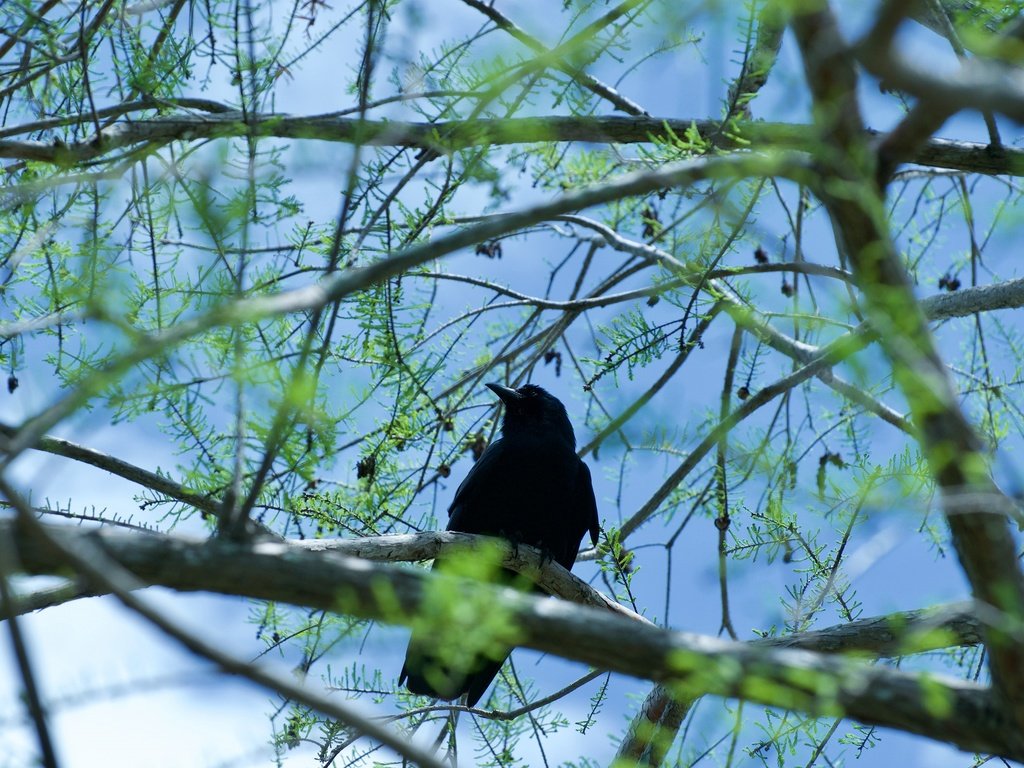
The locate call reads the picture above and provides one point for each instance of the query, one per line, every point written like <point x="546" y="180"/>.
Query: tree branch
<point x="980" y="534"/>
<point x="762" y="57"/>
<point x="10" y="607"/>
<point x="60" y="447"/>
<point x="655" y="724"/>
<point x="986" y="86"/>
<point x="548" y="575"/>
<point x="692" y="665"/>
<point x="159" y="131"/>
<point x="585" y="80"/>
<point x="350" y="281"/>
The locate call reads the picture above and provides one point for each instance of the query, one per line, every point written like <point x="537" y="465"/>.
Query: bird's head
<point x="532" y="409"/>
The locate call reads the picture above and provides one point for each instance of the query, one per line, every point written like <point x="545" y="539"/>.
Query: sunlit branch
<point x="156" y="132"/>
<point x="692" y="665"/>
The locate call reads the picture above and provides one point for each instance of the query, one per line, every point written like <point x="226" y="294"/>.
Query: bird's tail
<point x="426" y="674"/>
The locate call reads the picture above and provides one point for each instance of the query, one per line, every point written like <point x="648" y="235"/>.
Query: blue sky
<point x="169" y="709"/>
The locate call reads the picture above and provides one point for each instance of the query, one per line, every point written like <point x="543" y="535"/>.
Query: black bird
<point x="529" y="487"/>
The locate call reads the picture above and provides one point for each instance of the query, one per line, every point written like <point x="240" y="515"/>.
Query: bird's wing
<point x="425" y="671"/>
<point x="585" y="503"/>
<point x="482" y="474"/>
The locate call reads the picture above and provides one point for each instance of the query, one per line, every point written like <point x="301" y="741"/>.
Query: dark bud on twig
<point x="743" y="392"/>
<point x="835" y="459"/>
<point x="787" y="553"/>
<point x="623" y="559"/>
<point x="444" y="470"/>
<point x="652" y="300"/>
<point x="949" y="283"/>
<point x="12" y="383"/>
<point x="652" y="225"/>
<point x="366" y="467"/>
<point x="291" y="735"/>
<point x="550" y="356"/>
<point x="490" y="249"/>
<point x="760" y="256"/>
<point x="477" y="447"/>
<point x="787" y="289"/>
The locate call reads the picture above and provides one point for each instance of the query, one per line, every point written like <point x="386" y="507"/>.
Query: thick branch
<point x="982" y="85"/>
<point x="762" y="57"/>
<point x="950" y="710"/>
<point x="548" y="575"/>
<point x="84" y="556"/>
<point x="653" y="728"/>
<point x="159" y="131"/>
<point x="980" y="534"/>
<point x="655" y="725"/>
<point x="928" y="115"/>
<point x="979" y="15"/>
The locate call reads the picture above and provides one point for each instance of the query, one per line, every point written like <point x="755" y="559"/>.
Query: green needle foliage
<point x="258" y="259"/>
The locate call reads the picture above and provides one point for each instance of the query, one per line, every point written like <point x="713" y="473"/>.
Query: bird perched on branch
<point x="529" y="487"/>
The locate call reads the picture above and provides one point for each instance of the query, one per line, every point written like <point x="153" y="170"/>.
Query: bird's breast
<point x="524" y="491"/>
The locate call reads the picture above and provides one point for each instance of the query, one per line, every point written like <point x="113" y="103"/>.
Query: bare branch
<point x="548" y="575"/>
<point x="10" y="607"/>
<point x="152" y="133"/>
<point x="984" y="85"/>
<point x="692" y="665"/>
<point x="60" y="447"/>
<point x="981" y="536"/>
<point x="654" y="726"/>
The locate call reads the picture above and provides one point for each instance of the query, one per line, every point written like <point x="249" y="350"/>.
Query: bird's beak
<point x="507" y="394"/>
